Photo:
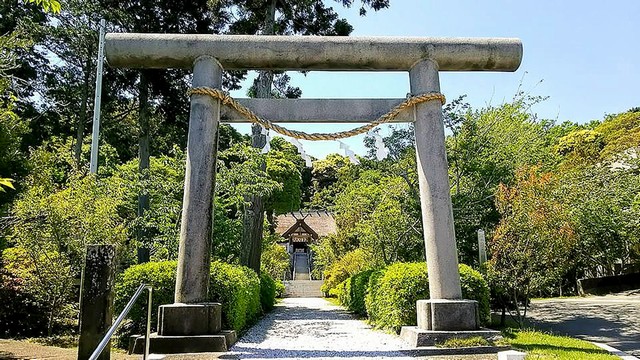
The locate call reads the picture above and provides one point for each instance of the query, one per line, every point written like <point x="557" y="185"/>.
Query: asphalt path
<point x="613" y="320"/>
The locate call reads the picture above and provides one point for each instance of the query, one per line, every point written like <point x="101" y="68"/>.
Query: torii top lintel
<point x="261" y="52"/>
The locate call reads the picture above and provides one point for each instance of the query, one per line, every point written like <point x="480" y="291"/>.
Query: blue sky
<point x="584" y="55"/>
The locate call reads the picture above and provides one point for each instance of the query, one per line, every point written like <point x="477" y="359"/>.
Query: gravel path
<point x="313" y="328"/>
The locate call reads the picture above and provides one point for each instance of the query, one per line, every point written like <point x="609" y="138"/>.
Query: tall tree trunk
<point x="82" y="117"/>
<point x="143" y="164"/>
<point x="254" y="213"/>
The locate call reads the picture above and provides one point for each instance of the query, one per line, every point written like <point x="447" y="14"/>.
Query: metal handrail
<point x="293" y="277"/>
<point x="121" y="317"/>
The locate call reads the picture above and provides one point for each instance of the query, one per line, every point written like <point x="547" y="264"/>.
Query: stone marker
<point x="482" y="247"/>
<point x="96" y="299"/>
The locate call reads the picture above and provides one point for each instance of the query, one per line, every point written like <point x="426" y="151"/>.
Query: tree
<point x="533" y="240"/>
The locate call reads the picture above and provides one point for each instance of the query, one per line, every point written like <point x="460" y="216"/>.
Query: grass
<point x="542" y="346"/>
<point x="333" y="300"/>
<point x="467" y="342"/>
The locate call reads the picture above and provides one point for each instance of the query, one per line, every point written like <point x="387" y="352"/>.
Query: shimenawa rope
<point x="227" y="100"/>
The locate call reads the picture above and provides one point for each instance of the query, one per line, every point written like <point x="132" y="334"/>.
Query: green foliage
<point x="351" y="264"/>
<point x="21" y="314"/>
<point x="65" y="221"/>
<point x="4" y="182"/>
<point x="585" y="144"/>
<point x="286" y="173"/>
<point x="47" y="5"/>
<point x="534" y="239"/>
<point x="267" y="292"/>
<point x="237" y="288"/>
<point x="352" y="292"/>
<point x="45" y="277"/>
<point x="274" y="259"/>
<point x="396" y="293"/>
<point x="161" y="276"/>
<point x="392" y="293"/>
<point x="474" y="286"/>
<point x="485" y="148"/>
<point x="621" y="133"/>
<point x="280" y="289"/>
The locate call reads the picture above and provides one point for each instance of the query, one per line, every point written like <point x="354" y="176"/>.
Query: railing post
<point x="96" y="299"/>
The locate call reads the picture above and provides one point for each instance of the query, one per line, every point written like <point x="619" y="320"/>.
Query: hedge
<point x="267" y="291"/>
<point x="236" y="287"/>
<point x="352" y="291"/>
<point x="391" y="293"/>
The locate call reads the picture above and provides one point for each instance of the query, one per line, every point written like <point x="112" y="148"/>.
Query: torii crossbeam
<point x="422" y="57"/>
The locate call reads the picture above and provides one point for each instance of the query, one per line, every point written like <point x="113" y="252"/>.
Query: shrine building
<point x="303" y="228"/>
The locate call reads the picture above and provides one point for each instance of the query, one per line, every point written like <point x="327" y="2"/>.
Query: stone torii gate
<point x="422" y="57"/>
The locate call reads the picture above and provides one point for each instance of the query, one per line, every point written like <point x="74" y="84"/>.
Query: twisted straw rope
<point x="225" y="99"/>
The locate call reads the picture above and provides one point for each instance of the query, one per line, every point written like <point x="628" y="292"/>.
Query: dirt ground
<point x="23" y="350"/>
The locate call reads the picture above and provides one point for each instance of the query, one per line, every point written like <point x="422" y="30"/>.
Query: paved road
<point x="313" y="328"/>
<point x="613" y="320"/>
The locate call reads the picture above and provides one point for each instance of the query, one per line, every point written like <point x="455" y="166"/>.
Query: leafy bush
<point x="44" y="280"/>
<point x="371" y="298"/>
<point x="161" y="276"/>
<point x="396" y="293"/>
<point x="279" y="289"/>
<point x="475" y="287"/>
<point x="267" y="292"/>
<point x="236" y="287"/>
<point x="392" y="293"/>
<point x="359" y="284"/>
<point x="350" y="264"/>
<point x="20" y="314"/>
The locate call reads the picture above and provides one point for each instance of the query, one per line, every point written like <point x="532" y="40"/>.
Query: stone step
<point x="303" y="288"/>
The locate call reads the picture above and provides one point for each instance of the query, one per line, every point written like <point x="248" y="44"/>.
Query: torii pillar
<point x="445" y="314"/>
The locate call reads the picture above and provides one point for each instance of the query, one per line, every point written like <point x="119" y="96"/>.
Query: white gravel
<point x="314" y="328"/>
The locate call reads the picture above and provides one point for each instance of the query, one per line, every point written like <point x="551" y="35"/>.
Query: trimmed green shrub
<point x="343" y="292"/>
<point x="280" y="289"/>
<point x="392" y="293"/>
<point x="371" y="298"/>
<point x="475" y="287"/>
<point x="161" y="276"/>
<point x="350" y="264"/>
<point x="267" y="291"/>
<point x="237" y="288"/>
<point x="396" y="293"/>
<point x="359" y="284"/>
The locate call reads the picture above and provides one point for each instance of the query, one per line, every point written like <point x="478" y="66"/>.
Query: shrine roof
<point x="322" y="222"/>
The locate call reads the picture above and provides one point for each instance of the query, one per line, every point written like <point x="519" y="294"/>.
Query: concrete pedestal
<point x="189" y="319"/>
<point x="220" y="342"/>
<point x="454" y="315"/>
<point x="187" y="328"/>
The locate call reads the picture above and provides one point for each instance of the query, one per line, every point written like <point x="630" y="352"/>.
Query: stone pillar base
<point x="448" y="315"/>
<point x="189" y="319"/>
<point x="417" y="337"/>
<point x="220" y="342"/>
<point x="187" y="328"/>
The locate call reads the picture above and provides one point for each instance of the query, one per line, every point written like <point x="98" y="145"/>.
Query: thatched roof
<point x="321" y="222"/>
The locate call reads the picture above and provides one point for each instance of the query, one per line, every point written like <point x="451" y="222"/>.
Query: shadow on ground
<point x="615" y="324"/>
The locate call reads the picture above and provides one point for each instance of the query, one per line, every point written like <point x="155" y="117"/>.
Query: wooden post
<point x="96" y="299"/>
